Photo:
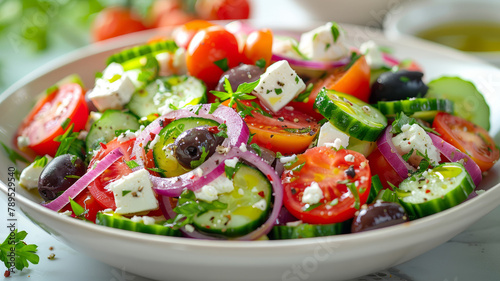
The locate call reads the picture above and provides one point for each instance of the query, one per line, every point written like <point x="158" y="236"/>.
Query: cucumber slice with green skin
<point x="247" y="205"/>
<point x="305" y="230"/>
<point x="105" y="128"/>
<point x="163" y="157"/>
<point x="433" y="191"/>
<point x="412" y="106"/>
<point x="121" y="222"/>
<point x="375" y="189"/>
<point x="131" y="58"/>
<point x="351" y="115"/>
<point x="176" y="90"/>
<point x="469" y="102"/>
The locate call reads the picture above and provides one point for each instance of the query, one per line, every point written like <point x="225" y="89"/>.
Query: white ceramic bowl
<point x="413" y="17"/>
<point x="326" y="258"/>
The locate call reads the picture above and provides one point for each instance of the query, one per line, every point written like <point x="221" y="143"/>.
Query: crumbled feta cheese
<point x="414" y="137"/>
<point x="294" y="223"/>
<point x="198" y="172"/>
<point x="312" y="194"/>
<point x="337" y="144"/>
<point x="328" y="133"/>
<point x="128" y="135"/>
<point x="207" y="193"/>
<point x="222" y="184"/>
<point x="93" y="116"/>
<point x="231" y="162"/>
<point x="372" y="53"/>
<point x="278" y="86"/>
<point x="23" y="142"/>
<point x="243" y="147"/>
<point x="136" y="219"/>
<point x="349" y="158"/>
<point x="241" y="191"/>
<point x="320" y="44"/>
<point x="287" y="159"/>
<point x="148" y="220"/>
<point x="189" y="228"/>
<point x="29" y="176"/>
<point x="134" y="193"/>
<point x="261" y="205"/>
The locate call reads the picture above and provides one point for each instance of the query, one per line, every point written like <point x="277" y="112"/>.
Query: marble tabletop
<point x="472" y="255"/>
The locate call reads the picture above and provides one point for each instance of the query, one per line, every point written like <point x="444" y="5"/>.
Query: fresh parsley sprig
<point x="21" y="251"/>
<point x="241" y="93"/>
<point x="188" y="207"/>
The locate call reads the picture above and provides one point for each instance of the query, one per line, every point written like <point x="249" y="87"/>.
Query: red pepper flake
<point x="207" y="227"/>
<point x="213" y="130"/>
<point x="269" y="178"/>
<point x="6" y="274"/>
<point x="192" y="177"/>
<point x="261" y="194"/>
<point x="103" y="146"/>
<point x="427" y="191"/>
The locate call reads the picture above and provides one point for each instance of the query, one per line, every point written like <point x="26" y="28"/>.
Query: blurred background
<point x="33" y="32"/>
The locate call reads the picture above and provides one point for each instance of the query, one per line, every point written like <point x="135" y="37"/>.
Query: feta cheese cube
<point x="329" y="134"/>
<point x="321" y="44"/>
<point x="23" y="142"/>
<point x="134" y="193"/>
<point x="373" y="55"/>
<point x="414" y="137"/>
<point x="29" y="176"/>
<point x="278" y="86"/>
<point x="261" y="205"/>
<point x="207" y="193"/>
<point x="312" y="194"/>
<point x="222" y="184"/>
<point x="113" y="90"/>
<point x="231" y="162"/>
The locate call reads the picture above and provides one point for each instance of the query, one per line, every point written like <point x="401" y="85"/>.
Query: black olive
<point x="189" y="146"/>
<point x="243" y="73"/>
<point x="398" y="85"/>
<point x="59" y="174"/>
<point x="378" y="215"/>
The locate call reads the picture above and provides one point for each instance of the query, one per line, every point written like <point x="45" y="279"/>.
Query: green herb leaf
<point x="14" y="247"/>
<point x="297" y="130"/>
<point x="408" y="155"/>
<point x="188" y="207"/>
<point x="213" y="107"/>
<point x="304" y="96"/>
<point x="354" y="58"/>
<point x="231" y="170"/>
<point x="157" y="170"/>
<point x="261" y="63"/>
<point x="278" y="91"/>
<point x="308" y="207"/>
<point x="65" y="124"/>
<point x="125" y="192"/>
<point x="354" y="191"/>
<point x="257" y="149"/>
<point x="78" y="210"/>
<point x="298" y="167"/>
<point x="222" y="131"/>
<point x="40" y="161"/>
<point x="295" y="47"/>
<point x="13" y="155"/>
<point x="70" y="144"/>
<point x="132" y="164"/>
<point x="290" y="164"/>
<point x="222" y="64"/>
<point x="72" y="177"/>
<point x="335" y="31"/>
<point x="402" y="119"/>
<point x="204" y="154"/>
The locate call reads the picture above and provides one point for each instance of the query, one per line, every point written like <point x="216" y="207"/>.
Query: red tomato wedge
<point x="117" y="170"/>
<point x="45" y="121"/>
<point x="287" y="131"/>
<point x="327" y="168"/>
<point x="355" y="81"/>
<point x="468" y="138"/>
<point x="88" y="202"/>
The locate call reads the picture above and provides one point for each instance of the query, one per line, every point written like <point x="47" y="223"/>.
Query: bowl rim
<point x="429" y="222"/>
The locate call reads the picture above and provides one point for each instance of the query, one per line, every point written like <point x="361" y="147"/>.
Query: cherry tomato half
<point x="223" y="9"/>
<point x="44" y="122"/>
<point x="468" y="138"/>
<point x="208" y="50"/>
<point x="355" y="81"/>
<point x="327" y="168"/>
<point x="185" y="33"/>
<point x="259" y="45"/>
<point x="115" y="21"/>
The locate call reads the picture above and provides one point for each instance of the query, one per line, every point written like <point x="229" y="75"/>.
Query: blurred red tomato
<point x="115" y="21"/>
<point x="185" y="33"/>
<point x="161" y="8"/>
<point x="223" y="9"/>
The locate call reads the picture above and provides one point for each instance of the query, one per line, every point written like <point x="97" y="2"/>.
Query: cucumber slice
<point x="375" y="189"/>
<point x="103" y="130"/>
<point x="131" y="58"/>
<point x="351" y="115"/>
<point x="176" y="90"/>
<point x="435" y="190"/>
<point x="121" y="222"/>
<point x="164" y="159"/>
<point x="412" y="106"/>
<point x="248" y="205"/>
<point x="305" y="230"/>
<point x="469" y="102"/>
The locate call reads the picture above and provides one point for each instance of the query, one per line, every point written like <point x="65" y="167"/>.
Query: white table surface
<point x="471" y="255"/>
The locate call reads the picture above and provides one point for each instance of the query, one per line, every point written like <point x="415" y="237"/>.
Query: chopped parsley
<point x="21" y="251"/>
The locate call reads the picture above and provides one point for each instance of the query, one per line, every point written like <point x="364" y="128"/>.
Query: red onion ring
<point x="267" y="170"/>
<point x="315" y="65"/>
<point x="75" y="189"/>
<point x="452" y="154"/>
<point x="390" y="60"/>
<point x="389" y="151"/>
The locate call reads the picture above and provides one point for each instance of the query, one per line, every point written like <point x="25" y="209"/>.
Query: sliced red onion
<point x="267" y="170"/>
<point x="237" y="129"/>
<point x="316" y="65"/>
<point x="390" y="60"/>
<point x="452" y="154"/>
<point x="166" y="207"/>
<point x="389" y="151"/>
<point x="285" y="217"/>
<point x="73" y="191"/>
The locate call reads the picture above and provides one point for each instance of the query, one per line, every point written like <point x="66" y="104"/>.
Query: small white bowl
<point x="412" y="18"/>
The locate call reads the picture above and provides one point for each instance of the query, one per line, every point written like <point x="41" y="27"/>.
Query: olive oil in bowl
<point x="466" y="36"/>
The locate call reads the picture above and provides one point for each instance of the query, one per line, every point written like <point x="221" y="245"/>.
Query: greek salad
<point x="228" y="132"/>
